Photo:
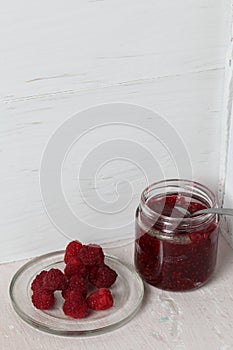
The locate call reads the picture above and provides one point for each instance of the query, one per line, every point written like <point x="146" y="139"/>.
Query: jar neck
<point x="184" y="192"/>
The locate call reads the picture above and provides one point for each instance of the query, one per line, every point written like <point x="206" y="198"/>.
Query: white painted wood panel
<point x="228" y="196"/>
<point x="59" y="58"/>
<point x="226" y="163"/>
<point x="227" y="224"/>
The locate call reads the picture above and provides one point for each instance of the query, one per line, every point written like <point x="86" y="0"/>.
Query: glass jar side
<point x="180" y="259"/>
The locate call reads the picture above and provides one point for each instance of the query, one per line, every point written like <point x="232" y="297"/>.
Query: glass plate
<point x="127" y="292"/>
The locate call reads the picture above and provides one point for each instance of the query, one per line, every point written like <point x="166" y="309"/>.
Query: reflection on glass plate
<point x="127" y="292"/>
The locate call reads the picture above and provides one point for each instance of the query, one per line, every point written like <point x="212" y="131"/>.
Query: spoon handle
<point x="220" y="211"/>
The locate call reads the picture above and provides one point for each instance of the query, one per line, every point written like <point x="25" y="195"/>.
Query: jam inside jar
<point x="174" y="251"/>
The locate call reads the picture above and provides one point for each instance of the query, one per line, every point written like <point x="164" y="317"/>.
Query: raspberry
<point x="75" y="267"/>
<point x="82" y="262"/>
<point x="92" y="274"/>
<point x="102" y="277"/>
<point x="66" y="293"/>
<point x="100" y="300"/>
<point x="43" y="299"/>
<point x="72" y="250"/>
<point x="75" y="308"/>
<point x="91" y="254"/>
<point x="37" y="283"/>
<point x="70" y="294"/>
<point x="78" y="283"/>
<point x="54" y="279"/>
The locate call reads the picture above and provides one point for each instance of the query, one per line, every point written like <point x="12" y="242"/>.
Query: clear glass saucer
<point x="127" y="291"/>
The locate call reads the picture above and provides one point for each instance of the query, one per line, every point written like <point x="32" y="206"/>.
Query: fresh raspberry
<point x="43" y="299"/>
<point x="70" y="294"/>
<point x="54" y="279"/>
<point x="76" y="283"/>
<point x="100" y="300"/>
<point x="75" y="308"/>
<point x="37" y="283"/>
<point x="91" y="254"/>
<point x="75" y="267"/>
<point x="92" y="273"/>
<point x="102" y="277"/>
<point x="66" y="293"/>
<point x="72" y="250"/>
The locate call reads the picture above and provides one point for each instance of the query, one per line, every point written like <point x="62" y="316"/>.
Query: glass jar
<point x="173" y="251"/>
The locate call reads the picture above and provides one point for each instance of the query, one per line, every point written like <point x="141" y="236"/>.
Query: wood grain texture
<point x="57" y="59"/>
<point x="227" y="226"/>
<point x="226" y="165"/>
<point x="201" y="319"/>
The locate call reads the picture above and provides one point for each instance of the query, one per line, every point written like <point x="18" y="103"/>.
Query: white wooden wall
<point x="226" y="174"/>
<point x="58" y="58"/>
<point x="228" y="193"/>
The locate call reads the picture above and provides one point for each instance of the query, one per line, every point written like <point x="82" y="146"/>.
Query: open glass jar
<point x="173" y="251"/>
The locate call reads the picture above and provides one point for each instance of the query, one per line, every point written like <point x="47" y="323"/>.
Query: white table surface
<point x="196" y="320"/>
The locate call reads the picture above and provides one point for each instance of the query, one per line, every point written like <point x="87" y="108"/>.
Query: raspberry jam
<point x="172" y="250"/>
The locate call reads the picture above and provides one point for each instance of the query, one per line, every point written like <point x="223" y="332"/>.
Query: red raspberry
<point x="43" y="299"/>
<point x="91" y="254"/>
<point x="37" y="283"/>
<point x="54" y="279"/>
<point x="72" y="250"/>
<point x="100" y="300"/>
<point x="75" y="308"/>
<point x="92" y="273"/>
<point x="66" y="293"/>
<point x="102" y="277"/>
<point x="76" y="283"/>
<point x="75" y="267"/>
<point x="69" y="294"/>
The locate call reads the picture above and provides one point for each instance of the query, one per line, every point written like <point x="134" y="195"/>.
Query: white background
<point x="58" y="58"/>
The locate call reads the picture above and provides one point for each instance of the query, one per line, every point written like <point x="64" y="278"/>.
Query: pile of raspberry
<point x="84" y="269"/>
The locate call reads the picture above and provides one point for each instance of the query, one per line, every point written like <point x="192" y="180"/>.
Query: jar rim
<point x="189" y="185"/>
